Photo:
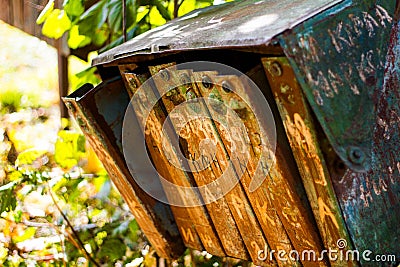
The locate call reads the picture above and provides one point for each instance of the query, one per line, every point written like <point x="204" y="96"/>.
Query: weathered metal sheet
<point x="371" y="201"/>
<point x="339" y="60"/>
<point x="210" y="158"/>
<point x="99" y="112"/>
<point x="300" y="129"/>
<point x="194" y="222"/>
<point x="256" y="23"/>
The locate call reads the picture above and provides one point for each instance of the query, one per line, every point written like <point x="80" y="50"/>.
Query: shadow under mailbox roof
<point x="234" y="24"/>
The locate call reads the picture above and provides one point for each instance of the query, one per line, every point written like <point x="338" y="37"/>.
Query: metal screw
<point x="206" y="82"/>
<point x="275" y="69"/>
<point x="164" y="74"/>
<point x="226" y="86"/>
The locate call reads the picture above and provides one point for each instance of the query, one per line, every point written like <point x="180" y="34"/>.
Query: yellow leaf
<point x="45" y="12"/>
<point x="28" y="156"/>
<point x="76" y="40"/>
<point x="155" y="17"/>
<point x="186" y="7"/>
<point x="27" y="234"/>
<point x="56" y="24"/>
<point x="141" y="12"/>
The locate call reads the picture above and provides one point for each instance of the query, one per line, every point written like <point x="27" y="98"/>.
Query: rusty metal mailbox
<point x="261" y="130"/>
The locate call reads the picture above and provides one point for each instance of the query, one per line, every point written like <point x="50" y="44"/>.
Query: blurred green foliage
<point x="100" y="22"/>
<point x="97" y="25"/>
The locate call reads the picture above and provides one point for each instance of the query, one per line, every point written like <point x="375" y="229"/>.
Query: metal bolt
<point x="164" y="74"/>
<point x="206" y="82"/>
<point x="355" y="155"/>
<point x="275" y="69"/>
<point x="226" y="86"/>
<point x="184" y="79"/>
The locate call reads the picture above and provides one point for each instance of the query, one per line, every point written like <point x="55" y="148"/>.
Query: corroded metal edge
<point x="256" y="23"/>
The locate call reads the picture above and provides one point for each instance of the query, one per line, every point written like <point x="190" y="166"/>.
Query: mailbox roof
<point x="235" y="24"/>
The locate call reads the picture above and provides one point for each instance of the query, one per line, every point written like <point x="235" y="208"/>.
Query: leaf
<point x="93" y="18"/>
<point x="86" y="76"/>
<point x="45" y="12"/>
<point x="111" y="250"/>
<point x="69" y="148"/>
<point x="75" y="40"/>
<point x="7" y="198"/>
<point x="162" y="9"/>
<point x="29" y="156"/>
<point x="56" y="24"/>
<point x="3" y="252"/>
<point x="186" y="7"/>
<point x="142" y="11"/>
<point x="115" y="15"/>
<point x="73" y="7"/>
<point x="130" y="34"/>
<point x="28" y="233"/>
<point x="131" y="12"/>
<point x="101" y="35"/>
<point x="134" y="230"/>
<point x="155" y="17"/>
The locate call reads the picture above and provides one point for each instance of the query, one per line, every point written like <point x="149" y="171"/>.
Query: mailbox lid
<point x="247" y="23"/>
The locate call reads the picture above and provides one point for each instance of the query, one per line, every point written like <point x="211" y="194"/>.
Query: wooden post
<point x="62" y="57"/>
<point x="5" y="13"/>
<point x="62" y="81"/>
